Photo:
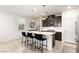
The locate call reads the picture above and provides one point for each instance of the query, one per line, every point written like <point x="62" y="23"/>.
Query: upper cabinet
<point x="52" y="20"/>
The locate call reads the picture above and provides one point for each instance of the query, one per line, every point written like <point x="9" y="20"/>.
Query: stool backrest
<point x="38" y="36"/>
<point x="30" y="35"/>
<point x="23" y="33"/>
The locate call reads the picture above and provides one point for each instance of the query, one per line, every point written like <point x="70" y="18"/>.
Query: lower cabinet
<point x="58" y="36"/>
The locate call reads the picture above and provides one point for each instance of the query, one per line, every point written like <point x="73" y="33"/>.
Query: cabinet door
<point x="58" y="36"/>
<point x="57" y="21"/>
<point x="44" y="23"/>
<point x="47" y="22"/>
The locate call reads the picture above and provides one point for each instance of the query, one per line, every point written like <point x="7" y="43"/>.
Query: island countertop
<point x="40" y="32"/>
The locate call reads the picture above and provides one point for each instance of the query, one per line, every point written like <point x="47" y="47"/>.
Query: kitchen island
<point x="50" y="38"/>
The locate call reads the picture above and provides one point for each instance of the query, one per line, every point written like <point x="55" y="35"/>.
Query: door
<point x="77" y="30"/>
<point x="68" y="29"/>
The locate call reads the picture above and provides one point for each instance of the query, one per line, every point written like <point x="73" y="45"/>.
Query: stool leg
<point x="42" y="47"/>
<point x="35" y="45"/>
<point x="22" y="40"/>
<point x="25" y="41"/>
<point x="46" y="44"/>
<point x="32" y="45"/>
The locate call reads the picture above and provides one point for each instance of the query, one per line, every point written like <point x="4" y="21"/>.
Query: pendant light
<point x="44" y="16"/>
<point x="33" y="14"/>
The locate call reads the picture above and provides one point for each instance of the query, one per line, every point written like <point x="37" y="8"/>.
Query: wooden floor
<point x="15" y="46"/>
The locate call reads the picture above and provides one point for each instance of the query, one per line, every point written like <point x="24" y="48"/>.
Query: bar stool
<point x="30" y="35"/>
<point x="26" y="40"/>
<point x="40" y="38"/>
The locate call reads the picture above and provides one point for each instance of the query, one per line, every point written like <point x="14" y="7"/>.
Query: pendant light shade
<point x="44" y="16"/>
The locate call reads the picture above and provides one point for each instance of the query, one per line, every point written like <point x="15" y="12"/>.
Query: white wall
<point x="69" y="19"/>
<point x="8" y="26"/>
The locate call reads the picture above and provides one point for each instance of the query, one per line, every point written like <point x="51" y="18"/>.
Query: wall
<point x="38" y="25"/>
<point x="8" y="26"/>
<point x="21" y="20"/>
<point x="69" y="19"/>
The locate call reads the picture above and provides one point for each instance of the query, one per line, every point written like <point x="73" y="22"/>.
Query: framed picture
<point x="21" y="26"/>
<point x="32" y="25"/>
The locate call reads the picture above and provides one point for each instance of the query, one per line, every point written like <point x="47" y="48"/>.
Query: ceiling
<point x="26" y="10"/>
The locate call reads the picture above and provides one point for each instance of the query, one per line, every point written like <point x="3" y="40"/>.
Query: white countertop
<point x="44" y="33"/>
<point x="56" y="29"/>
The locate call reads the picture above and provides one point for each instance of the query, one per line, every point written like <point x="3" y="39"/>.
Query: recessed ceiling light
<point x="33" y="9"/>
<point x="69" y="7"/>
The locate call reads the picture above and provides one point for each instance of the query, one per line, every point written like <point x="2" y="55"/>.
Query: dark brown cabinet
<point x="52" y="20"/>
<point x="44" y="23"/>
<point x="58" y="36"/>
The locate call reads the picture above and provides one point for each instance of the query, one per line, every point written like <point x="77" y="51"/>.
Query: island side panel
<point x="50" y="42"/>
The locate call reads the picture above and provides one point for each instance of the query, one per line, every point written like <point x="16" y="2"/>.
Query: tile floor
<point x="15" y="46"/>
